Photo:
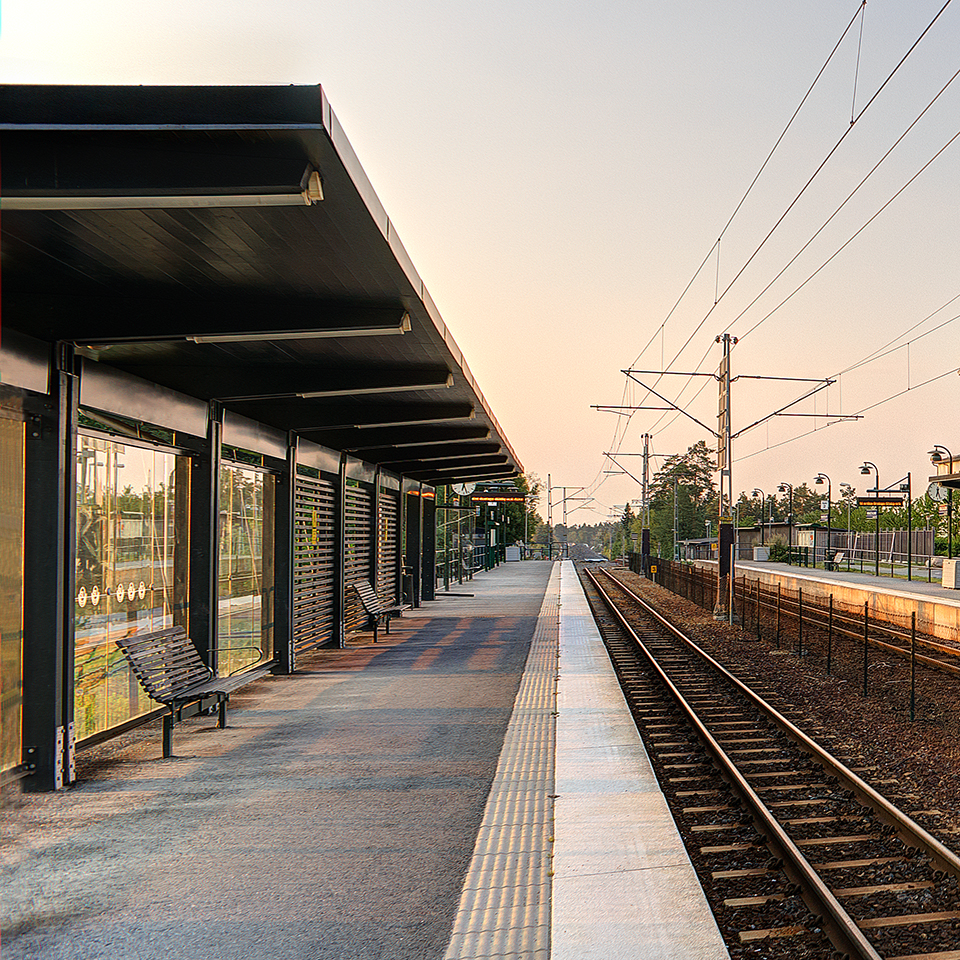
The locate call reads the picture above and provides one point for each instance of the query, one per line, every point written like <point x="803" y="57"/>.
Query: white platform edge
<point x="623" y="885"/>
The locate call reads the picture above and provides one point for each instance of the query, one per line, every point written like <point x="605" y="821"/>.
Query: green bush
<point x="779" y="552"/>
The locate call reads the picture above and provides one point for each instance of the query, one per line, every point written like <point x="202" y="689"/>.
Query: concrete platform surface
<point x="334" y="818"/>
<point x="916" y="587"/>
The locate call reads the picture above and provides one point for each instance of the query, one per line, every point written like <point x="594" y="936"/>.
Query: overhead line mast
<point x="724" y="436"/>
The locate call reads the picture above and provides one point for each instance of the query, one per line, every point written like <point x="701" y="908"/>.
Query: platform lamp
<point x="763" y="500"/>
<point x="782" y="488"/>
<point x="819" y="479"/>
<point x="936" y="457"/>
<point x="865" y="469"/>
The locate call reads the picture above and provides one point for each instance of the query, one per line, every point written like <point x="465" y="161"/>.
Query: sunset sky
<point x="559" y="171"/>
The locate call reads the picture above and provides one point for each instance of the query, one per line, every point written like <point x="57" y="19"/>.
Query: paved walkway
<point x="334" y="818"/>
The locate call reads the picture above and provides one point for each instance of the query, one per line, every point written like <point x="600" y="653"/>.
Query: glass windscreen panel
<point x="12" y="437"/>
<point x="131" y="570"/>
<point x="246" y="581"/>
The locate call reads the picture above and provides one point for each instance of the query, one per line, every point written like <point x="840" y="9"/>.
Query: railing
<point x="454" y="565"/>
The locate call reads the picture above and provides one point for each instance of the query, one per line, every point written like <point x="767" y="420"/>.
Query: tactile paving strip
<point x="504" y="909"/>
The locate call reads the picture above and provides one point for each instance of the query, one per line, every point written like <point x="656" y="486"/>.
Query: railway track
<point x="800" y="857"/>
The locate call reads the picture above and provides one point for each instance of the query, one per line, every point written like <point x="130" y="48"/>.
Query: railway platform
<point x="439" y="794"/>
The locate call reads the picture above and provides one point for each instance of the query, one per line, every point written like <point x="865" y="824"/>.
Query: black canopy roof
<point x="226" y="243"/>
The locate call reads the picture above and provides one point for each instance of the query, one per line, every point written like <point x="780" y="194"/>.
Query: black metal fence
<point x="846" y="637"/>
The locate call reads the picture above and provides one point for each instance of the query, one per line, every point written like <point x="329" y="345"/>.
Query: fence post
<point x="866" y="619"/>
<point x="800" y="623"/>
<point x="759" y="634"/>
<point x="913" y="665"/>
<point x="830" y="636"/>
<point x="779" y="585"/>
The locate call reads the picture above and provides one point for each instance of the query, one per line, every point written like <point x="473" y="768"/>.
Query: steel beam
<point x="110" y="320"/>
<point x="205" y="540"/>
<point x="49" y="580"/>
<point x="312" y="417"/>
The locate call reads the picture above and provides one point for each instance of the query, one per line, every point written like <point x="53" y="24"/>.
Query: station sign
<point x="492" y="498"/>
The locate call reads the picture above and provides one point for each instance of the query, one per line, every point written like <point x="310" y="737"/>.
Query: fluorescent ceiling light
<point x="467" y="466"/>
<point x="408" y="423"/>
<point x="438" y="457"/>
<point x="313" y="334"/>
<point x="312" y="193"/>
<point x="436" y="385"/>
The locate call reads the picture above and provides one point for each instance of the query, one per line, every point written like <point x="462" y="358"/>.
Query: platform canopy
<point x="225" y="242"/>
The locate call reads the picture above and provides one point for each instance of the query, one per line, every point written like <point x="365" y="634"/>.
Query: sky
<point x="567" y="179"/>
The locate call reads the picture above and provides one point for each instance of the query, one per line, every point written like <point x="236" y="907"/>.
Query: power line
<point x="623" y="424"/>
<point x="870" y="356"/>
<point x="813" y="176"/>
<point x="617" y="441"/>
<point x="848" y="241"/>
<point x="753" y="182"/>
<point x="862" y="410"/>
<point x="845" y="201"/>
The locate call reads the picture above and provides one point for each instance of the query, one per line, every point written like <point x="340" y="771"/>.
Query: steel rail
<point x="839" y="926"/>
<point x="910" y="832"/>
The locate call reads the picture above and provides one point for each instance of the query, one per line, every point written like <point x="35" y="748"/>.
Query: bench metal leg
<point x="389" y="618"/>
<point x="376" y="624"/>
<point x="222" y="713"/>
<point x="168" y="735"/>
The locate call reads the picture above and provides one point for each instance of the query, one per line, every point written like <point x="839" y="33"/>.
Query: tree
<point x="688" y="479"/>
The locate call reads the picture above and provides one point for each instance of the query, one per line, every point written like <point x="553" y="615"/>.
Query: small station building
<point x="225" y="397"/>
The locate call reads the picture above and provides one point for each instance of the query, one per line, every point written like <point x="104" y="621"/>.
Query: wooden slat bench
<point x="834" y="564"/>
<point x="375" y="607"/>
<point x="171" y="672"/>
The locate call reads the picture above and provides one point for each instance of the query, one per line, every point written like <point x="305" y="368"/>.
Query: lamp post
<point x="848" y="496"/>
<point x="819" y="479"/>
<point x="783" y="487"/>
<point x="676" y="546"/>
<point x="763" y="500"/>
<point x="935" y="457"/>
<point x="736" y="530"/>
<point x="865" y="469"/>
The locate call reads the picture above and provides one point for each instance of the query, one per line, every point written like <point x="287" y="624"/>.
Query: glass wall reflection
<point x="12" y="435"/>
<point x="246" y="591"/>
<point x="131" y="573"/>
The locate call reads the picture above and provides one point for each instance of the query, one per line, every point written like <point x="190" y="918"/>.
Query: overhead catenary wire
<point x="862" y="410"/>
<point x="810" y="181"/>
<point x="820" y="229"/>
<point x="929" y="316"/>
<point x="620" y="428"/>
<point x="622" y="425"/>
<point x="844" y="202"/>
<point x="850" y="239"/>
<point x="752" y="184"/>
